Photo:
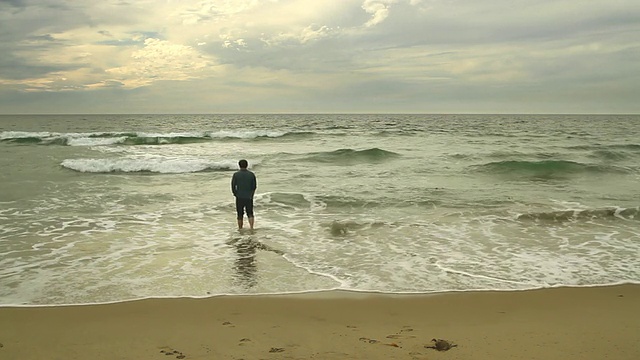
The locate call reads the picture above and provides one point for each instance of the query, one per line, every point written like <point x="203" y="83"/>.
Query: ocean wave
<point x="611" y="152"/>
<point x="350" y="156"/>
<point x="302" y="201"/>
<point x="512" y="154"/>
<point x="584" y="214"/>
<point x="140" y="138"/>
<point x="344" y="227"/>
<point x="595" y="147"/>
<point x="151" y="165"/>
<point x="294" y="200"/>
<point x="547" y="168"/>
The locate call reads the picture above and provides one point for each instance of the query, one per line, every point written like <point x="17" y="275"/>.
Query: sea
<point x="110" y="208"/>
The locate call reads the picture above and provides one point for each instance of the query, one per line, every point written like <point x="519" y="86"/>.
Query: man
<point x="243" y="186"/>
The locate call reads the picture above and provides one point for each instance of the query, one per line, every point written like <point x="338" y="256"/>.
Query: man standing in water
<point x="243" y="186"/>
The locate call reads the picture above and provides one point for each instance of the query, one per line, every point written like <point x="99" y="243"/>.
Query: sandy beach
<point x="560" y="323"/>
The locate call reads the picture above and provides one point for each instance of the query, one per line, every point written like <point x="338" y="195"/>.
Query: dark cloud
<point x="15" y="3"/>
<point x="493" y="24"/>
<point x="16" y="69"/>
<point x="21" y="55"/>
<point x="45" y="37"/>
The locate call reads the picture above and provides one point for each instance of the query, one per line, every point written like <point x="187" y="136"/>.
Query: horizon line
<point x="320" y="113"/>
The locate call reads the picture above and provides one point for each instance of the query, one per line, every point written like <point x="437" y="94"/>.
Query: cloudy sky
<point x="320" y="56"/>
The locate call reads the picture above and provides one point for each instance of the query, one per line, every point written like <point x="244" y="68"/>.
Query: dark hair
<point x="243" y="164"/>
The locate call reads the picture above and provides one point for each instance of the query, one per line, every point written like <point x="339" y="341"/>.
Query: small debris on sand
<point x="441" y="345"/>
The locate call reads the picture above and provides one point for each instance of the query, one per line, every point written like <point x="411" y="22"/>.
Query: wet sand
<point x="561" y="323"/>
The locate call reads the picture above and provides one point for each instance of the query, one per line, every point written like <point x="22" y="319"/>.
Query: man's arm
<point x="255" y="185"/>
<point x="234" y="185"/>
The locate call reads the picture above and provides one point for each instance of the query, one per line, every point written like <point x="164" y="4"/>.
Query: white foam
<point x="180" y="252"/>
<point x="24" y="134"/>
<point x="95" y="141"/>
<point x="246" y="134"/>
<point x="194" y="134"/>
<point x="72" y="139"/>
<point x="156" y="165"/>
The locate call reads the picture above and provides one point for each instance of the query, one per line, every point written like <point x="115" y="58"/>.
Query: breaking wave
<point x="585" y="214"/>
<point x="153" y="165"/>
<point x="139" y="138"/>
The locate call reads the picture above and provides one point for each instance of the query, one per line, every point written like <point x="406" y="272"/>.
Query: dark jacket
<point x="244" y="184"/>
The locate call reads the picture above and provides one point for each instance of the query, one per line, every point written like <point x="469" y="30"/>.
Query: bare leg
<point x="240" y="223"/>
<point x="251" y="220"/>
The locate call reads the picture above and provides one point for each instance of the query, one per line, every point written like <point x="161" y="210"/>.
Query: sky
<point x="319" y="56"/>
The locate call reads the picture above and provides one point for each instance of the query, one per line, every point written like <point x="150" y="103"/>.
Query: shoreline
<point x="321" y="294"/>
<point x="552" y="323"/>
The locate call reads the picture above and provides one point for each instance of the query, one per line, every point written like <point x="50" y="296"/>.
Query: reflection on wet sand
<point x="245" y="264"/>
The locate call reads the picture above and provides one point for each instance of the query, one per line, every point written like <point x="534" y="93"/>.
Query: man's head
<point x="243" y="164"/>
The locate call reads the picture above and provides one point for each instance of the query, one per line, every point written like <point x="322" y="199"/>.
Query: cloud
<point x="331" y="52"/>
<point x="14" y="3"/>
<point x="379" y="10"/>
<point x="160" y="60"/>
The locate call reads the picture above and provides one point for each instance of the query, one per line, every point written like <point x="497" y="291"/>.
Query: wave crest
<point x="139" y="138"/>
<point x="161" y="166"/>
<point x="547" y="168"/>
<point x="350" y="156"/>
<point x="586" y="214"/>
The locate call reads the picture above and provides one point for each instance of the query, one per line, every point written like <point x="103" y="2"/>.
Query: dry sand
<point x="563" y="323"/>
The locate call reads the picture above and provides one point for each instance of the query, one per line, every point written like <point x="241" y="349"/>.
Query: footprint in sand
<point x="370" y="341"/>
<point x="400" y="334"/>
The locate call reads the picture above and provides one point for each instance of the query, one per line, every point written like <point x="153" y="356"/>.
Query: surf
<point x="159" y="166"/>
<point x="583" y="215"/>
<point x="351" y="156"/>
<point x="142" y="138"/>
<point x="547" y="168"/>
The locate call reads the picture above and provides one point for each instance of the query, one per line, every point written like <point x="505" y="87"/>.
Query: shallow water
<point x="109" y="208"/>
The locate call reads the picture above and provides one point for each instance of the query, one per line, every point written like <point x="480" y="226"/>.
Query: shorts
<point x="241" y="205"/>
